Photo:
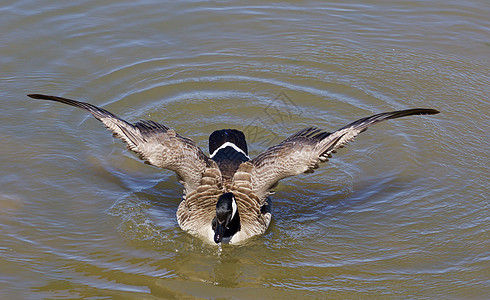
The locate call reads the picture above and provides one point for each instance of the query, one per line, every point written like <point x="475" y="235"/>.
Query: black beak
<point x="218" y="232"/>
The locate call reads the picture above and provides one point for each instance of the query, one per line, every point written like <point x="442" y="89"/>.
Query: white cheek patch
<point x="228" y="144"/>
<point x="233" y="207"/>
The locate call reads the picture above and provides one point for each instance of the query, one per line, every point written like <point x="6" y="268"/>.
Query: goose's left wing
<point x="305" y="150"/>
<point x="154" y="142"/>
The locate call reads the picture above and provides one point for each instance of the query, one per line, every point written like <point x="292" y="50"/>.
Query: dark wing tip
<point x="394" y="115"/>
<point x="38" y="96"/>
<point x="53" y="98"/>
<point x="97" y="112"/>
<point x="407" y="112"/>
<point x="426" y="111"/>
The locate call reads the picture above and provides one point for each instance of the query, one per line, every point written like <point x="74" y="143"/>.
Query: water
<point x="400" y="213"/>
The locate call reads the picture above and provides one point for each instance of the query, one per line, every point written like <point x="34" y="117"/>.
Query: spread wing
<point x="305" y="150"/>
<point x="155" y="143"/>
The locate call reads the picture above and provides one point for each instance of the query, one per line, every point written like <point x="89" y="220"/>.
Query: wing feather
<point x="155" y="143"/>
<point x="303" y="151"/>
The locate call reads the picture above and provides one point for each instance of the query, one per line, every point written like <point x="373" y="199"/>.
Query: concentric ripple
<point x="400" y="213"/>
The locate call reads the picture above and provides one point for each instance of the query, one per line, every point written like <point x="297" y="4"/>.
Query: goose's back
<point x="198" y="208"/>
<point x="255" y="213"/>
<point x="254" y="217"/>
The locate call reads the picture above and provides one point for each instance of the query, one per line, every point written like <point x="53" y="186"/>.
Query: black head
<point x="219" y="137"/>
<point x="227" y="221"/>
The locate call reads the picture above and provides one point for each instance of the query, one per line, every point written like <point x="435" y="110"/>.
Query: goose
<point x="226" y="197"/>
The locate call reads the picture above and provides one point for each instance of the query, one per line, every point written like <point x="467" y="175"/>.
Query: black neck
<point x="233" y="227"/>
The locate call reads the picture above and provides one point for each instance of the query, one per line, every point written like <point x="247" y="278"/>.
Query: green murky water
<point x="400" y="213"/>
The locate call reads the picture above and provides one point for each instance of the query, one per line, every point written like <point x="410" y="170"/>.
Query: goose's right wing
<point x="305" y="150"/>
<point x="155" y="143"/>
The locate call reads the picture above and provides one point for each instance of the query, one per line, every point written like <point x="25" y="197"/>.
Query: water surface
<point x="400" y="213"/>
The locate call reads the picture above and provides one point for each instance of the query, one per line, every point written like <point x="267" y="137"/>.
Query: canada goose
<point x="226" y="195"/>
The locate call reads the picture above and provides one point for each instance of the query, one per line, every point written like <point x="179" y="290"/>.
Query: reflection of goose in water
<point x="226" y="195"/>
